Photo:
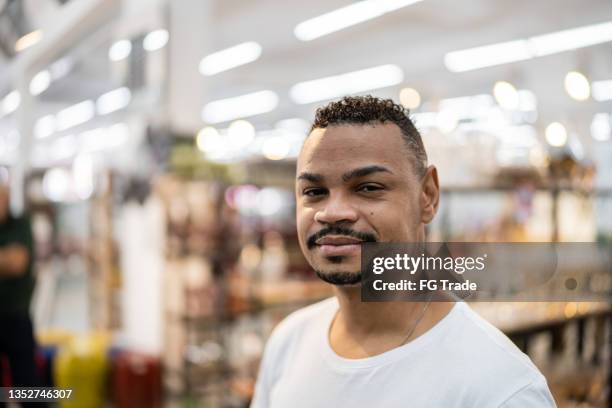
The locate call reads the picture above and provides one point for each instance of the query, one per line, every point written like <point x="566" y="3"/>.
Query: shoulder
<point x="292" y="327"/>
<point x="534" y="394"/>
<point x="301" y="319"/>
<point x="501" y="370"/>
<point x="476" y="335"/>
<point x="287" y="336"/>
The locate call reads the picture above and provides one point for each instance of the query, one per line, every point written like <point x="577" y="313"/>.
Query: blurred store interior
<point x="153" y="145"/>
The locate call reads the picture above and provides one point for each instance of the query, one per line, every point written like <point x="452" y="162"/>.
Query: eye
<point x="369" y="188"/>
<point x="314" y="192"/>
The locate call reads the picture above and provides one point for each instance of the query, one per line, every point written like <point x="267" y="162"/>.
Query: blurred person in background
<point x="17" y="345"/>
<point x="362" y="176"/>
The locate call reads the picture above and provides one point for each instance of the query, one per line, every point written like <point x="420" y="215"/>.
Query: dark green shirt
<point x="16" y="292"/>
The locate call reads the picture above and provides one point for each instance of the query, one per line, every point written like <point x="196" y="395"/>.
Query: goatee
<point x="340" y="278"/>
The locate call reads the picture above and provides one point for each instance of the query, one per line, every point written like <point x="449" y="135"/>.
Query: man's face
<point x="4" y="202"/>
<point x="355" y="183"/>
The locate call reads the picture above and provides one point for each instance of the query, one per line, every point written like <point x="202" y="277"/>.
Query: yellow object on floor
<point x="81" y="366"/>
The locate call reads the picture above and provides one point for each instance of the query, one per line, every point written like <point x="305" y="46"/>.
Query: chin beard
<point x="340" y="278"/>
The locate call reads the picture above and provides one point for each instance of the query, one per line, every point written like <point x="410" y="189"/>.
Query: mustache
<point x="311" y="242"/>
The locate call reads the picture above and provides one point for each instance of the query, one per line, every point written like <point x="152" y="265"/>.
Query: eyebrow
<point x="356" y="173"/>
<point x="312" y="177"/>
<point x="364" y="171"/>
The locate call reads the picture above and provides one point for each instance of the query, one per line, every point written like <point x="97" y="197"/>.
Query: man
<point x="16" y="285"/>
<point x="362" y="176"/>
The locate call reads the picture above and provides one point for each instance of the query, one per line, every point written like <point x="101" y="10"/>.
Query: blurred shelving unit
<point x="571" y="342"/>
<point x="220" y="306"/>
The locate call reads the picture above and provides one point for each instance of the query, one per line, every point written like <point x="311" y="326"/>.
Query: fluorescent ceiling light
<point x="40" y="82"/>
<point x="120" y="50"/>
<point x="28" y="40"/>
<point x="113" y="101"/>
<point x="229" y="58"/>
<point x="75" y="115"/>
<point x="601" y="127"/>
<point x="155" y="40"/>
<point x="571" y="39"/>
<point x="44" y="127"/>
<point x="103" y="138"/>
<point x="532" y="47"/>
<point x="602" y="90"/>
<point x="240" y="106"/>
<point x="346" y="84"/>
<point x="347" y="16"/>
<point x="61" y="68"/>
<point x="10" y="103"/>
<point x="487" y="56"/>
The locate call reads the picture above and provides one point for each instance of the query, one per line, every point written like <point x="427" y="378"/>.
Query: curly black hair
<point x="361" y="110"/>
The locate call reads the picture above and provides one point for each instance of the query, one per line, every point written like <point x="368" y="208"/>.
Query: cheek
<point x="304" y="220"/>
<point x="392" y="222"/>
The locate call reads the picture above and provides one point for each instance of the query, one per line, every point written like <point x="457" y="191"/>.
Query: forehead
<point x="343" y="147"/>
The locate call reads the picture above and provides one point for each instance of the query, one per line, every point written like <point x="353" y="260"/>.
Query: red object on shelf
<point x="136" y="380"/>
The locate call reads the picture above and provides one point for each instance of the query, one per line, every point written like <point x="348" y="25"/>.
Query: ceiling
<point x="416" y="38"/>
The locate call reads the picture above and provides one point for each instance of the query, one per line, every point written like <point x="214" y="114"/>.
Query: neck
<point x="363" y="329"/>
<point x="363" y="318"/>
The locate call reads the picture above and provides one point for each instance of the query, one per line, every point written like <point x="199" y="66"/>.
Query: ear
<point x="430" y="195"/>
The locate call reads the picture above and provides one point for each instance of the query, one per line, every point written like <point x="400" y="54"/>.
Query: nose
<point x="336" y="209"/>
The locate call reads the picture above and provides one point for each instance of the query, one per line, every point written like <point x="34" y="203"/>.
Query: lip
<point x="336" y="245"/>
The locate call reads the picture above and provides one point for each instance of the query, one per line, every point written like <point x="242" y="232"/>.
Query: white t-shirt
<point x="463" y="361"/>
